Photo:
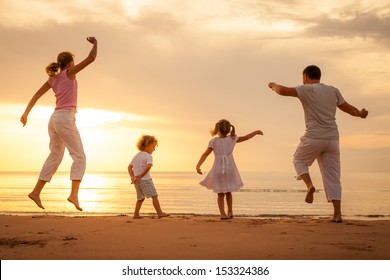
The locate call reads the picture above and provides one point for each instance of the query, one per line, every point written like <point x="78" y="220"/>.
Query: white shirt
<point x="320" y="103"/>
<point x="139" y="163"/>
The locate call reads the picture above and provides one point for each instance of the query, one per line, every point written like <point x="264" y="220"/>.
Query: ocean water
<point x="265" y="194"/>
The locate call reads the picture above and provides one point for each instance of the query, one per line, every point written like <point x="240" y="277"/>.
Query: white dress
<point x="223" y="176"/>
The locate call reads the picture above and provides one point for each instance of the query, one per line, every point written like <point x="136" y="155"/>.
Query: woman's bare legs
<point x="74" y="194"/>
<point x="73" y="198"/>
<point x="34" y="195"/>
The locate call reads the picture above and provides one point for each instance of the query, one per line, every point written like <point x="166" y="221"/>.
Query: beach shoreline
<point x="190" y="237"/>
<point x="78" y="214"/>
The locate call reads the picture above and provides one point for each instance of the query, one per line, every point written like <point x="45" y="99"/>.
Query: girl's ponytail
<point x="233" y="131"/>
<point x="52" y="69"/>
<point x="63" y="59"/>
<point x="216" y="129"/>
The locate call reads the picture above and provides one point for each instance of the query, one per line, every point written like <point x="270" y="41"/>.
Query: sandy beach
<point x="45" y="237"/>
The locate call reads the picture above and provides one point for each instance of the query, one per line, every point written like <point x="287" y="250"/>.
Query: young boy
<point x="139" y="169"/>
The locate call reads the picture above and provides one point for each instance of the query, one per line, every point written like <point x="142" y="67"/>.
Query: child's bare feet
<point x="75" y="202"/>
<point x="36" y="199"/>
<point x="138" y="217"/>
<point x="162" y="215"/>
<point x="310" y="194"/>
<point x="337" y="218"/>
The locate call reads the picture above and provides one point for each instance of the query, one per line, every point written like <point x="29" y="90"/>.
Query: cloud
<point x="187" y="64"/>
<point x="29" y="15"/>
<point x="349" y="22"/>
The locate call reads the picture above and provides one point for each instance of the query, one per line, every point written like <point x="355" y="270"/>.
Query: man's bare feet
<point x="310" y="194"/>
<point x="75" y="203"/>
<point x="138" y="217"/>
<point x="36" y="199"/>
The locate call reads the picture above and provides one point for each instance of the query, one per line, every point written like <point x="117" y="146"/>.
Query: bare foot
<point x="75" y="202"/>
<point x="162" y="215"/>
<point x="310" y="194"/>
<point x="36" y="199"/>
<point x="337" y="218"/>
<point x="226" y="218"/>
<point x="138" y="217"/>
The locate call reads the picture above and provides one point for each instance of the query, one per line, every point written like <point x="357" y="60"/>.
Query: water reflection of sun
<point x="94" y="181"/>
<point x="92" y="192"/>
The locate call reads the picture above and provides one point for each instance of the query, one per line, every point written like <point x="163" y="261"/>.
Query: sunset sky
<point x="173" y="68"/>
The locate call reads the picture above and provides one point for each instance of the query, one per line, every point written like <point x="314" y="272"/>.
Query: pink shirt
<point x="65" y="90"/>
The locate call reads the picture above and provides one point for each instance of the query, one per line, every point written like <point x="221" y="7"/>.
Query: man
<point x="321" y="139"/>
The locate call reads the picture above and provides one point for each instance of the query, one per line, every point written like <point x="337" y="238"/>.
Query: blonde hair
<point x="223" y="127"/>
<point x="62" y="60"/>
<point x="146" y="140"/>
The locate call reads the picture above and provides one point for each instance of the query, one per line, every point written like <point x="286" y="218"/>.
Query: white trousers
<point x="64" y="134"/>
<point x="327" y="154"/>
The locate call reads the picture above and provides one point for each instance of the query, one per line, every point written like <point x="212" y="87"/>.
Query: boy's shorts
<point x="145" y="189"/>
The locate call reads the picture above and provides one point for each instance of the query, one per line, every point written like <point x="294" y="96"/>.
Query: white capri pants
<point x="64" y="134"/>
<point x="327" y="153"/>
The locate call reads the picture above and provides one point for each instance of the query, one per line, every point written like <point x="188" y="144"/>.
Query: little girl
<point x="223" y="177"/>
<point x="139" y="173"/>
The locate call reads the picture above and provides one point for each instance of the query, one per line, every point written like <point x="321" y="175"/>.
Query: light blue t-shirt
<point x="320" y="103"/>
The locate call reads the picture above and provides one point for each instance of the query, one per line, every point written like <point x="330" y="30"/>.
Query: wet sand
<point x="45" y="237"/>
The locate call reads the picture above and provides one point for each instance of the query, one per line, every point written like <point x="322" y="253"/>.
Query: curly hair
<point x="146" y="140"/>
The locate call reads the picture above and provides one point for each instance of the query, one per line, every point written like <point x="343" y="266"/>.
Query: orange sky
<point x="174" y="68"/>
